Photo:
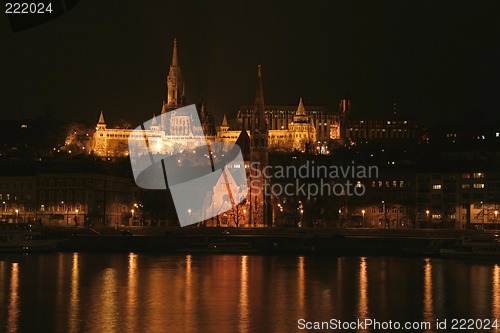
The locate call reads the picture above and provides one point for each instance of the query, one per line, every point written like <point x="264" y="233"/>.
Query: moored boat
<point x="474" y="249"/>
<point x="23" y="239"/>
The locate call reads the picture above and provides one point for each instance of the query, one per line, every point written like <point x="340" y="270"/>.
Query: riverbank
<point x="262" y="240"/>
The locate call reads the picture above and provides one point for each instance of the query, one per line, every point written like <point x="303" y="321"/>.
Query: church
<point x="290" y="128"/>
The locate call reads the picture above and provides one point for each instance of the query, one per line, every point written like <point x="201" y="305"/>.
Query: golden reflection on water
<point x="428" y="314"/>
<point x="495" y="292"/>
<point x="13" y="315"/>
<point x="2" y="282"/>
<point x="75" y="297"/>
<point x="108" y="314"/>
<point x="243" y="306"/>
<point x="363" y="289"/>
<point x="301" y="284"/>
<point x="188" y="294"/>
<point x="131" y="305"/>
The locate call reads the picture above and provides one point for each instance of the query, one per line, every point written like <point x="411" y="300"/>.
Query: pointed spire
<point x="224" y="120"/>
<point x="175" y="62"/>
<point x="202" y="112"/>
<point x="101" y="119"/>
<point x="259" y="110"/>
<point x="301" y="111"/>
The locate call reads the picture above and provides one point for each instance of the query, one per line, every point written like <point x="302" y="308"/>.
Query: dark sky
<point x="439" y="59"/>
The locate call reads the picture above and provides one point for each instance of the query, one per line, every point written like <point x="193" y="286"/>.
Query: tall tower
<point x="258" y="130"/>
<point x="260" y="206"/>
<point x="175" y="82"/>
<point x="344" y="113"/>
<point x="175" y="88"/>
<point x="99" y="144"/>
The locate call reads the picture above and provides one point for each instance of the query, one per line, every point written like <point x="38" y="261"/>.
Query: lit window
<point x="478" y="175"/>
<point x="465" y="186"/>
<point x="436" y="186"/>
<point x="478" y="185"/>
<point x="436" y="216"/>
<point x="42" y="208"/>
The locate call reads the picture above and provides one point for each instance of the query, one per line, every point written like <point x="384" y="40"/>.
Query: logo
<point x="29" y="14"/>
<point x="205" y="179"/>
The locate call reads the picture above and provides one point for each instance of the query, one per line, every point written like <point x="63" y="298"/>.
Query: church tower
<point x="260" y="206"/>
<point x="175" y="88"/>
<point x="99" y="144"/>
<point x="175" y="82"/>
<point x="259" y="130"/>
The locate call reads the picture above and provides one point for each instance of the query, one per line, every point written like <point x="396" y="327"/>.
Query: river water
<point x="127" y="292"/>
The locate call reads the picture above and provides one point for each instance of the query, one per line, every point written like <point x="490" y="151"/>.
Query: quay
<point x="357" y="241"/>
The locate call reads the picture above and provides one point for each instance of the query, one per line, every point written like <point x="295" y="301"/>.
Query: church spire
<point x="259" y="123"/>
<point x="101" y="124"/>
<point x="224" y="120"/>
<point x="301" y="111"/>
<point x="101" y="119"/>
<point x="175" y="62"/>
<point x="175" y="82"/>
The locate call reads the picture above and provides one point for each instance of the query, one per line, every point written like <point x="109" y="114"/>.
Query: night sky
<point x="440" y="60"/>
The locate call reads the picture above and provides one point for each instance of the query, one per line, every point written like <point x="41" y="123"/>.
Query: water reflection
<point x="428" y="314"/>
<point x="301" y="284"/>
<point x="85" y="293"/>
<point x="243" y="306"/>
<point x="75" y="297"/>
<point x="495" y="292"/>
<point x="132" y="286"/>
<point x="363" y="289"/>
<point x="188" y="291"/>
<point x="13" y="314"/>
<point x="107" y="307"/>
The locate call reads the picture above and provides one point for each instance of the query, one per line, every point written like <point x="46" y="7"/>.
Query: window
<point x="466" y="175"/>
<point x="478" y="175"/>
<point x="478" y="185"/>
<point x="436" y="216"/>
<point x="436" y="186"/>
<point x="42" y="208"/>
<point x="465" y="186"/>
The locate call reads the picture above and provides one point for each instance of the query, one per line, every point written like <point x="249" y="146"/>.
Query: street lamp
<point x="17" y="215"/>
<point x="363" y="212"/>
<point x="427" y="212"/>
<point x="76" y="217"/>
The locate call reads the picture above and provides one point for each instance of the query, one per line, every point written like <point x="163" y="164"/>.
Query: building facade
<point x="65" y="193"/>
